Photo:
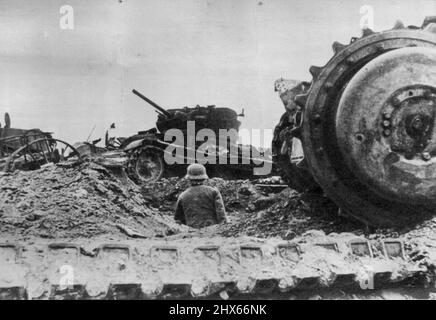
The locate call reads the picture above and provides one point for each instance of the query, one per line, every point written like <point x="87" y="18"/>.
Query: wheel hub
<point x="411" y="122"/>
<point x="385" y="125"/>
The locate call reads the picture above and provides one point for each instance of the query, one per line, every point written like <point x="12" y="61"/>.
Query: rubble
<point x="105" y="217"/>
<point x="287" y="215"/>
<point x="256" y="211"/>
<point x="238" y="195"/>
<point x="87" y="200"/>
<point x="72" y="202"/>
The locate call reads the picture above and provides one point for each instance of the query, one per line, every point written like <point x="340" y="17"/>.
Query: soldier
<point x="199" y="206"/>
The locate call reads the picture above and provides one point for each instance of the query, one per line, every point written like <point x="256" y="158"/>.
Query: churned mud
<point x="87" y="200"/>
<point x="87" y="204"/>
<point x="84" y="200"/>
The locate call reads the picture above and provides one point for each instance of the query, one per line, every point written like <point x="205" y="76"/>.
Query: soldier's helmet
<point x="196" y="171"/>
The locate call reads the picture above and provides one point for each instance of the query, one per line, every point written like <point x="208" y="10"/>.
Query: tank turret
<point x="209" y="117"/>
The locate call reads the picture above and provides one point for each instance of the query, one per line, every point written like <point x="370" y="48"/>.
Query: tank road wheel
<point x="146" y="165"/>
<point x="369" y="125"/>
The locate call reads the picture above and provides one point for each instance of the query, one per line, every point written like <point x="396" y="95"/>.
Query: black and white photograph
<point x="233" y="151"/>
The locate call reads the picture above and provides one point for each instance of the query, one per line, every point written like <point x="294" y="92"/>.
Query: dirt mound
<point x="88" y="201"/>
<point x="254" y="210"/>
<point x="84" y="200"/>
<point x="289" y="214"/>
<point x="284" y="215"/>
<point x="238" y="195"/>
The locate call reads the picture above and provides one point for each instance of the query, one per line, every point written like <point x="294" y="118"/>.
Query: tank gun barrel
<point x="152" y="103"/>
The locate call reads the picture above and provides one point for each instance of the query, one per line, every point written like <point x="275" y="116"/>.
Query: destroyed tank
<point x="146" y="150"/>
<point x="363" y="130"/>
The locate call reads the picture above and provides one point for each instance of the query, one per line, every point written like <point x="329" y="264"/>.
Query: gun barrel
<point x="154" y="104"/>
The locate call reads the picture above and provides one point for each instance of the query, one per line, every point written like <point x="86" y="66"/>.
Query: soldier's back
<point x="198" y="204"/>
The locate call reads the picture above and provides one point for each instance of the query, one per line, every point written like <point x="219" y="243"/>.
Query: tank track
<point x="214" y="268"/>
<point x="319" y="166"/>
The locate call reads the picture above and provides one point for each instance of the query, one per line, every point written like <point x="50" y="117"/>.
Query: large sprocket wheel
<point x="146" y="164"/>
<point x="369" y="125"/>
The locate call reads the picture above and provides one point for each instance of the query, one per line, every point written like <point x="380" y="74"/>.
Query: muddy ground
<point x="83" y="200"/>
<point x="87" y="200"/>
<point x="258" y="211"/>
<point x="87" y="203"/>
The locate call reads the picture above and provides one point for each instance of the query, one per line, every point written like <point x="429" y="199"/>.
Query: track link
<point x="226" y="268"/>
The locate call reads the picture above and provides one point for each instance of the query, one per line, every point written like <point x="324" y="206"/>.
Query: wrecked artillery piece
<point x="364" y="128"/>
<point x="25" y="149"/>
<point x="146" y="150"/>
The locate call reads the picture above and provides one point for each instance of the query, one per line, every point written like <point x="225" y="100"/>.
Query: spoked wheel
<point x="146" y="165"/>
<point x="39" y="152"/>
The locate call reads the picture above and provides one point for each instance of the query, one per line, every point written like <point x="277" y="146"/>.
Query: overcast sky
<point x="179" y="53"/>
